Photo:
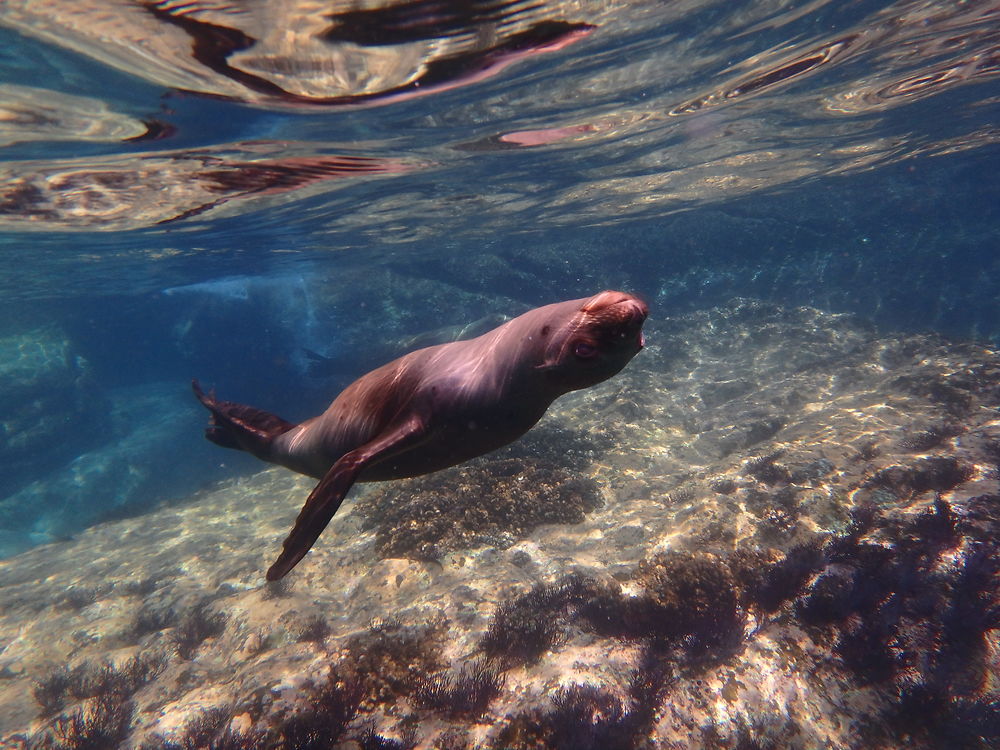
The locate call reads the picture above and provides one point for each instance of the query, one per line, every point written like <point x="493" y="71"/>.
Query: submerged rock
<point x="485" y="502"/>
<point x="134" y="439"/>
<point x="50" y="407"/>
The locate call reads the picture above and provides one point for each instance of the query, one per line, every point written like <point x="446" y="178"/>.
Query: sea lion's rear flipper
<point x="327" y="496"/>
<point x="239" y="426"/>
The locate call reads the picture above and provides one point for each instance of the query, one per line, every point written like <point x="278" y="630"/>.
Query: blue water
<point x="220" y="212"/>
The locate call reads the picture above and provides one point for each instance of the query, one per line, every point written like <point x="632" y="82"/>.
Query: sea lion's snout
<point x="608" y="298"/>
<point x="626" y="309"/>
<point x="635" y="312"/>
<point x="618" y="313"/>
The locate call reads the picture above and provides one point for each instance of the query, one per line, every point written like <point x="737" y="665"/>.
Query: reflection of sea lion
<point x="436" y="407"/>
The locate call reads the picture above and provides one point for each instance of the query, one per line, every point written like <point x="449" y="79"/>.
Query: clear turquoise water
<point x="235" y="197"/>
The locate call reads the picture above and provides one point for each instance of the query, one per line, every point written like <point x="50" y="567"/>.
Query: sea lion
<point x="435" y="407"/>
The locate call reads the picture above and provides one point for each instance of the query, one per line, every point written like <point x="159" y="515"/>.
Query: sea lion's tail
<point x="239" y="426"/>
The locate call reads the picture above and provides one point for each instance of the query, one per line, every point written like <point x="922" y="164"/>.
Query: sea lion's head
<point x="598" y="339"/>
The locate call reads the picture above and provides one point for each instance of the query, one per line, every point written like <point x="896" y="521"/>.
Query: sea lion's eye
<point x="585" y="350"/>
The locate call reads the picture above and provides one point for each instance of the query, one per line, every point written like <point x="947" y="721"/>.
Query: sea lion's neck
<point x="509" y="360"/>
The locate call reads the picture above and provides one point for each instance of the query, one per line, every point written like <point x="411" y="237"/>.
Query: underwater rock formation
<point x="110" y="457"/>
<point x="50" y="406"/>
<point x="487" y="502"/>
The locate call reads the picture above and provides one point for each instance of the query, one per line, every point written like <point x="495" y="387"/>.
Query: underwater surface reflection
<point x="639" y="108"/>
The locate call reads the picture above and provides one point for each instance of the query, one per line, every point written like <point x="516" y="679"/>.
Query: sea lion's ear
<point x="327" y="496"/>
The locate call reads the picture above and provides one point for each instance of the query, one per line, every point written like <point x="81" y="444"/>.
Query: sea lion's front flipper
<point x="327" y="496"/>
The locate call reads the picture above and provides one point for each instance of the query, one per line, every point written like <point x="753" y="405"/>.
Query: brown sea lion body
<point x="436" y="407"/>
